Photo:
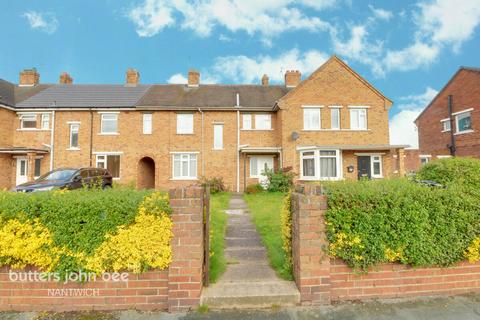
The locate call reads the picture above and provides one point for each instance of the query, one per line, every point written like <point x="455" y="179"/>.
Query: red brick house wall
<point x="465" y="89"/>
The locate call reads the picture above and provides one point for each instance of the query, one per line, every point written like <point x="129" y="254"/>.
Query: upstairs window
<point x="109" y="123"/>
<point x="446" y="125"/>
<point x="247" y="122"/>
<point x="358" y="119"/>
<point x="28" y="121"/>
<point x="263" y="121"/>
<point x="335" y="118"/>
<point x="464" y="122"/>
<point x="218" y="136"/>
<point x="184" y="123"/>
<point x="311" y="119"/>
<point x="45" y="121"/>
<point x="74" y="129"/>
<point x="147" y="123"/>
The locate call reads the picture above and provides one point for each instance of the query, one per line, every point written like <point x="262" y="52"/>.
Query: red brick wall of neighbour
<point x="465" y="89"/>
<point x="176" y="289"/>
<point x="322" y="280"/>
<point x="412" y="160"/>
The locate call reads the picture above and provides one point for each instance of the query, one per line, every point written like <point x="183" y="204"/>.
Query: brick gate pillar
<point x="31" y="166"/>
<point x="185" y="271"/>
<point x="311" y="263"/>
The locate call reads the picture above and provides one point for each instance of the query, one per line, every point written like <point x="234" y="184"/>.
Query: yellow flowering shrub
<point x="473" y="251"/>
<point x="286" y="223"/>
<point x="26" y="243"/>
<point x="139" y="246"/>
<point x="393" y="255"/>
<point x="92" y="230"/>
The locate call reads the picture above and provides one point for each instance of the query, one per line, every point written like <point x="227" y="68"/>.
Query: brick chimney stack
<point x="292" y="78"/>
<point x="193" y="78"/>
<point x="29" y="77"/>
<point x="133" y="77"/>
<point x="265" y="80"/>
<point x="65" y="78"/>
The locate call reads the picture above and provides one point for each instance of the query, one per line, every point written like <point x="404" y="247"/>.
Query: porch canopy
<point x="366" y="147"/>
<point x="23" y="150"/>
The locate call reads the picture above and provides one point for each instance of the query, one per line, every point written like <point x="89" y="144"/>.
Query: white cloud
<point x="177" y="78"/>
<point x="381" y="14"/>
<point x="267" y="17"/>
<point x="46" y="22"/>
<point x="402" y="128"/>
<point x="410" y="58"/>
<point x="249" y="70"/>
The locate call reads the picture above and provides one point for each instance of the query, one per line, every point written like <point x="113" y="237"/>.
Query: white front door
<point x="22" y="176"/>
<point x="264" y="163"/>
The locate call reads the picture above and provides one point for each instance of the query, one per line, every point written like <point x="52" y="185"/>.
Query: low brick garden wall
<point x="322" y="280"/>
<point x="176" y="289"/>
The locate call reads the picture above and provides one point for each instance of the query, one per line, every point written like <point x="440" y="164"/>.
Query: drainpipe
<point x="452" y="145"/>
<point x="52" y="141"/>
<point x="91" y="136"/>
<point x="203" y="144"/>
<point x="238" y="142"/>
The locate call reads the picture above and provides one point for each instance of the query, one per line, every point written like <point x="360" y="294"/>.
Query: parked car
<point x="68" y="178"/>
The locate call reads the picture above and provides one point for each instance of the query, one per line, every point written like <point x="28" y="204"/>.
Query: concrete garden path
<point x="249" y="281"/>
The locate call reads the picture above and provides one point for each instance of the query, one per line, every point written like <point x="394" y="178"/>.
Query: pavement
<point x="447" y="308"/>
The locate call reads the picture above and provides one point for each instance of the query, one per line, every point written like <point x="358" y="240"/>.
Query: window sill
<point x="463" y="132"/>
<point x="222" y="149"/>
<point x="32" y="129"/>
<point x="73" y="149"/>
<point x="256" y="129"/>
<point x="184" y="179"/>
<point x="186" y="134"/>
<point x="320" y="179"/>
<point x="446" y="131"/>
<point x="307" y="130"/>
<point x="108" y="134"/>
<point x="147" y="134"/>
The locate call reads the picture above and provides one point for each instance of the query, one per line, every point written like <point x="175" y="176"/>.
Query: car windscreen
<point x="62" y="175"/>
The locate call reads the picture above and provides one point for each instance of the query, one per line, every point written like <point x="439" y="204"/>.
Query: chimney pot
<point x="133" y="77"/>
<point x="193" y="78"/>
<point x="292" y="78"/>
<point x="65" y="78"/>
<point x="265" y="80"/>
<point x="29" y="77"/>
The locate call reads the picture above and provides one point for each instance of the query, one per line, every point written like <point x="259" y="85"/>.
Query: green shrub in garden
<point x="370" y="222"/>
<point x="280" y="181"/>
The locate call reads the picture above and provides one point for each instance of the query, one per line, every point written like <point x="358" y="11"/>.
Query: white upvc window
<point x="358" y="119"/>
<point x="111" y="162"/>
<point x="218" y="136"/>
<point x="320" y="164"/>
<point x="311" y="119"/>
<point x="463" y="122"/>
<point x="263" y="122"/>
<point x="74" y="129"/>
<point x="247" y="122"/>
<point x="147" y="123"/>
<point x="377" y="168"/>
<point x="45" y="121"/>
<point x="37" y="168"/>
<point x="109" y="123"/>
<point x="446" y="125"/>
<point x="184" y="123"/>
<point x="424" y="159"/>
<point x="28" y="121"/>
<point x="335" y="118"/>
<point x="184" y="166"/>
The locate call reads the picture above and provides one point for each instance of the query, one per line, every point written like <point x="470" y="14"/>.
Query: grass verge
<point x="266" y="208"/>
<point x="218" y="225"/>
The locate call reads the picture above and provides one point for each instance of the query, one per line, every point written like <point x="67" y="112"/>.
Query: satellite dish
<point x="295" y="136"/>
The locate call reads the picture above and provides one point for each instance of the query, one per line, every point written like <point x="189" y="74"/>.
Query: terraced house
<point x="332" y="125"/>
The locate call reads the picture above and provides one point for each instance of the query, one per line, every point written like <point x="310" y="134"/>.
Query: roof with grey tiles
<point x="85" y="96"/>
<point x="11" y="94"/>
<point x="179" y="96"/>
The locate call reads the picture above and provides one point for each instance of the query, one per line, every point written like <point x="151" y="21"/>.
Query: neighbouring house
<point x="332" y="125"/>
<point x="450" y="124"/>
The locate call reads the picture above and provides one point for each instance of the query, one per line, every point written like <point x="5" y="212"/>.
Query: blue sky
<point x="407" y="49"/>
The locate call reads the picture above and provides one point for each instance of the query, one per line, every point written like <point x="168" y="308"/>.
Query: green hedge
<point x="78" y="221"/>
<point x="371" y="222"/>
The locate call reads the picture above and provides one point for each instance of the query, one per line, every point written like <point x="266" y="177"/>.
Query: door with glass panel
<point x="22" y="167"/>
<point x="259" y="165"/>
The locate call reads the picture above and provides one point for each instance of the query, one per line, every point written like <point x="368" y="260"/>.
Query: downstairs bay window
<point x="320" y="164"/>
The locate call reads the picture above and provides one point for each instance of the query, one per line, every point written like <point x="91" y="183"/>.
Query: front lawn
<point x="266" y="208"/>
<point x="218" y="224"/>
